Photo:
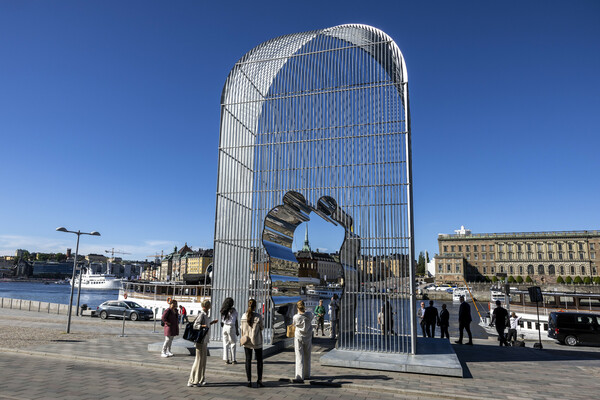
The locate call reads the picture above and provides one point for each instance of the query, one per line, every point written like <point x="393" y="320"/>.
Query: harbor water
<point x="53" y="293"/>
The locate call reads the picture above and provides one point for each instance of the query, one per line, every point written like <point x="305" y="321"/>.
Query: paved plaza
<point x="40" y="361"/>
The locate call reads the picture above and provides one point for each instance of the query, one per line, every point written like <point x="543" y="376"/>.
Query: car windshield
<point x="132" y="304"/>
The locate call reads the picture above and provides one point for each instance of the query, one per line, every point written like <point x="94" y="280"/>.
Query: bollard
<point x="48" y="308"/>
<point x="39" y="306"/>
<point x="123" y="329"/>
<point x="29" y="308"/>
<point x="11" y="303"/>
<point x="154" y="327"/>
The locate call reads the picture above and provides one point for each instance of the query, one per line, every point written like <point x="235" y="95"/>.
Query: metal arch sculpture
<point x="319" y="121"/>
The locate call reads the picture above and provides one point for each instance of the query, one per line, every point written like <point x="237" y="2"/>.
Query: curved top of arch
<point x="253" y="75"/>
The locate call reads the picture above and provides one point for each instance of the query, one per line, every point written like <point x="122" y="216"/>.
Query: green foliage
<point x="519" y="279"/>
<point x="578" y="280"/>
<point x="487" y="279"/>
<point x="528" y="279"/>
<point x="568" y="280"/>
<point x="421" y="264"/>
<point x="511" y="279"/>
<point x="560" y="279"/>
<point x="587" y="280"/>
<point x="427" y="256"/>
<point x="597" y="280"/>
<point x="494" y="279"/>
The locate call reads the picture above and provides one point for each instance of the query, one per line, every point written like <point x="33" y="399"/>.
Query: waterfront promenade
<point x="39" y="361"/>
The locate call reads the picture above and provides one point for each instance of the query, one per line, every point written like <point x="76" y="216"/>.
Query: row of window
<point x="541" y="270"/>
<point x="519" y="247"/>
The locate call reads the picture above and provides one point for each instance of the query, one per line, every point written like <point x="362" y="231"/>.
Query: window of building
<point x="560" y="255"/>
<point x="492" y="270"/>
<point x="510" y="247"/>
<point x="539" y="256"/>
<point x="592" y="246"/>
<point x="551" y="270"/>
<point x="477" y="256"/>
<point x="500" y="256"/>
<point x="571" y="256"/>
<point x="560" y="247"/>
<point x="449" y="268"/>
<point x="580" y="246"/>
<point x="520" y="247"/>
<point x="457" y="268"/>
<point x="510" y="256"/>
<point x="582" y="270"/>
<point x="483" y="256"/>
<point x="528" y="247"/>
<point x="491" y="256"/>
<point x="500" y="247"/>
<point x="502" y="268"/>
<point x="453" y="248"/>
<point x="572" y="270"/>
<point x="459" y="249"/>
<point x="594" y="271"/>
<point x="467" y="248"/>
<point x="530" y="256"/>
<point x="483" y="247"/>
<point x="512" y="270"/>
<point x="581" y="256"/>
<point x="540" y="270"/>
<point x="530" y="270"/>
<point x="485" y="270"/>
<point x="520" y="256"/>
<point x="593" y="256"/>
<point x="440" y="269"/>
<point x="445" y="249"/>
<point x="468" y="256"/>
<point x="475" y="247"/>
<point x="570" y="246"/>
<point x="550" y="256"/>
<point x="520" y="270"/>
<point x="491" y="247"/>
<point x="549" y="246"/>
<point x="540" y="247"/>
<point x="562" y="270"/>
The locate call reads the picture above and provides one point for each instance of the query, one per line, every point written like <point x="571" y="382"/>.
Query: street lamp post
<point x="78" y="233"/>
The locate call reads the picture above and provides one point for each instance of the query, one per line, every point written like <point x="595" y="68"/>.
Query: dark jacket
<point x="464" y="313"/>
<point x="444" y="318"/>
<point x="171" y="320"/>
<point x="500" y="317"/>
<point x="431" y="315"/>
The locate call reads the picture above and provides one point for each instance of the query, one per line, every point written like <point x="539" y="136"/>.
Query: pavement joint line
<point x="352" y="386"/>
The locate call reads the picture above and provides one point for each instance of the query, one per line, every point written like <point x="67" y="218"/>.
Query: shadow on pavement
<point x="490" y="353"/>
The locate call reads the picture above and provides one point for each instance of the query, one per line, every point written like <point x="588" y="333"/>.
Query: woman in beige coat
<point x="197" y="375"/>
<point x="252" y="339"/>
<point x="303" y="341"/>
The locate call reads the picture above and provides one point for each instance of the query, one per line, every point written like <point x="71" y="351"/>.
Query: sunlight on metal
<point x="316" y="125"/>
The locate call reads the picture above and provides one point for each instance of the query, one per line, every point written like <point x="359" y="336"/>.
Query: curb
<point x="352" y="386"/>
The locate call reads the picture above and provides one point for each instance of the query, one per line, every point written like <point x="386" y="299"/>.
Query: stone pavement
<point x="106" y="366"/>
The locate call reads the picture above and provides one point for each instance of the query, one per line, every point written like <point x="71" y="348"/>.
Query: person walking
<point x="183" y="315"/>
<point x="334" y="316"/>
<point x="421" y="316"/>
<point x="320" y="313"/>
<point x="170" y="319"/>
<point x="500" y="320"/>
<point x="512" y="331"/>
<point x="198" y="372"/>
<point x="464" y="321"/>
<point x="431" y="318"/>
<point x="231" y="330"/>
<point x="252" y="339"/>
<point x="302" y="341"/>
<point x="385" y="319"/>
<point x="444" y="322"/>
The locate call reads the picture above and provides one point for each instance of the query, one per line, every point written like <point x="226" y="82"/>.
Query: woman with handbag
<point x="231" y="330"/>
<point x="302" y="341"/>
<point x="252" y="339"/>
<point x="170" y="320"/>
<point x="197" y="375"/>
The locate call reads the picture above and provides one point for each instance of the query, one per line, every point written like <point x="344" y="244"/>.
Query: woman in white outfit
<point x="197" y="375"/>
<point x="231" y="330"/>
<point x="303" y="341"/>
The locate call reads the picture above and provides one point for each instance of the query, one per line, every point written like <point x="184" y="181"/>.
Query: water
<point x="53" y="293"/>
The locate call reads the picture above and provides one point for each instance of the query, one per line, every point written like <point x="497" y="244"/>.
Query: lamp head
<point x="94" y="233"/>
<point x="61" y="229"/>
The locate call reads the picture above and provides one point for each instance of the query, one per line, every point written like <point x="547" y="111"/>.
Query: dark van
<point x="574" y="328"/>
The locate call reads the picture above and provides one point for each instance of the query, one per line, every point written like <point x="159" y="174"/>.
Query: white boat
<point x="324" y="292"/>
<point x="99" y="281"/>
<point x="460" y="291"/>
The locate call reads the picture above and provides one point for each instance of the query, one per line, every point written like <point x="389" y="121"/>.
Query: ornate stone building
<point x="543" y="256"/>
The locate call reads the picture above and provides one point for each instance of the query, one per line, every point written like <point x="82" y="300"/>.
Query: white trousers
<point x="229" y="342"/>
<point x="303" y="347"/>
<point x="167" y="344"/>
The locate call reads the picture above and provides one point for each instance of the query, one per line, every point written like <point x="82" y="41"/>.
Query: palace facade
<point x="543" y="256"/>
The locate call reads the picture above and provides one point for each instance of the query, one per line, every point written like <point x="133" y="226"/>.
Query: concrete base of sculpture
<point x="434" y="357"/>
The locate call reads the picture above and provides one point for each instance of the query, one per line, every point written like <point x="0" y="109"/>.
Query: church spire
<point x="306" y="246"/>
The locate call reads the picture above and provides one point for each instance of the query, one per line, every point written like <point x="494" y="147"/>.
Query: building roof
<point x="522" y="235"/>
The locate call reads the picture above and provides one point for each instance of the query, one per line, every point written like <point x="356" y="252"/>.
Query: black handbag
<point x="194" y="335"/>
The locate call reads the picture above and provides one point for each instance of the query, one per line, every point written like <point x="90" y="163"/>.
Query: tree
<point x="587" y="280"/>
<point x="494" y="279"/>
<point x="560" y="279"/>
<point x="519" y="279"/>
<point x="568" y="280"/>
<point x="421" y="264"/>
<point x="511" y="279"/>
<point x="427" y="256"/>
<point x="528" y="279"/>
<point x="597" y="280"/>
<point x="578" y="280"/>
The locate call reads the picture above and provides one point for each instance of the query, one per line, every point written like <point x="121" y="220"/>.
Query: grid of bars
<point x="322" y="113"/>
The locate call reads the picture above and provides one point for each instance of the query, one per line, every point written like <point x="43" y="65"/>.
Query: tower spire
<point x="306" y="246"/>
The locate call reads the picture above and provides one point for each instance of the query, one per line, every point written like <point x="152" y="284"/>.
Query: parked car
<point x="115" y="308"/>
<point x="443" y="287"/>
<point x="573" y="328"/>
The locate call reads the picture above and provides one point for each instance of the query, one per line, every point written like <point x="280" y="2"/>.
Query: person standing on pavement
<point x="431" y="318"/>
<point x="500" y="319"/>
<point x="444" y="322"/>
<point x="421" y="315"/>
<point x="170" y="320"/>
<point x="231" y="330"/>
<point x="198" y="372"/>
<point x="512" y="331"/>
<point x="320" y="313"/>
<point x="464" y="320"/>
<point x="302" y="341"/>
<point x="183" y="314"/>
<point x="252" y="327"/>
<point x="334" y="316"/>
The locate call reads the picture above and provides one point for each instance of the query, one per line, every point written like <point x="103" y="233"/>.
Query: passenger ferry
<point x="324" y="292"/>
<point x="460" y="291"/>
<point x="157" y="295"/>
<point x="520" y="304"/>
<point x="99" y="281"/>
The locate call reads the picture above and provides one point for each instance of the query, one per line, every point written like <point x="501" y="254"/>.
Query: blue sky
<point x="109" y="114"/>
